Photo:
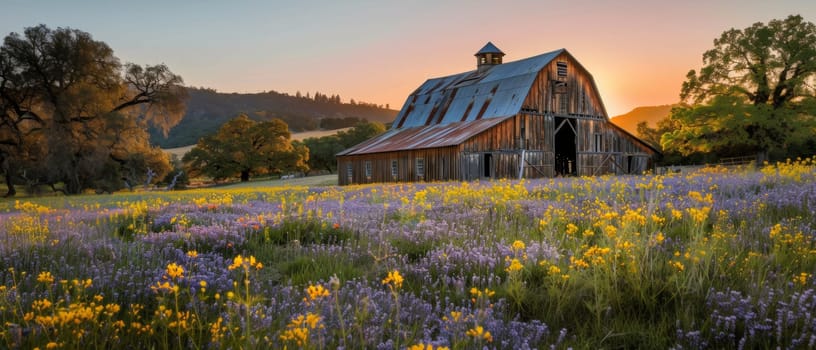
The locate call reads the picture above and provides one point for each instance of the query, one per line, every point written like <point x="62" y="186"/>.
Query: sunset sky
<point x="639" y="51"/>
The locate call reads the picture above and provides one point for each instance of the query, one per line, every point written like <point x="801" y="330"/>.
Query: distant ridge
<point x="649" y="114"/>
<point x="207" y="110"/>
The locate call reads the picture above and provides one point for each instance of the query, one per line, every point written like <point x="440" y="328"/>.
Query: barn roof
<point x="495" y="92"/>
<point x="448" y="110"/>
<point x="419" y="137"/>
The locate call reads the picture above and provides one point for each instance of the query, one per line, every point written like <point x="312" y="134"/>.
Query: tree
<point x="755" y="93"/>
<point x="243" y="147"/>
<point x="323" y="151"/>
<point x="73" y="114"/>
<point x="362" y="131"/>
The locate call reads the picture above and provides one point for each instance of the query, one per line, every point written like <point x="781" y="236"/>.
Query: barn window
<point x="394" y="168"/>
<point x="598" y="142"/>
<point x="420" y="167"/>
<point x="368" y="168"/>
<point x="349" y="171"/>
<point x="563" y="102"/>
<point x="562" y="68"/>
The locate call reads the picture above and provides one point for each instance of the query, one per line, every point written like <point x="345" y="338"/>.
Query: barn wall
<point x="497" y="153"/>
<point x="616" y="153"/>
<point x="440" y="164"/>
<point x="504" y="143"/>
<point x="573" y="94"/>
<point x="576" y="97"/>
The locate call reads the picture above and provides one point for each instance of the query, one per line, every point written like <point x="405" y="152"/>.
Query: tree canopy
<point x="754" y="94"/>
<point x="72" y="114"/>
<point x="323" y="150"/>
<point x="243" y="147"/>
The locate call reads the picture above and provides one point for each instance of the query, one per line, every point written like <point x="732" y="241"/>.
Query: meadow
<point x="716" y="258"/>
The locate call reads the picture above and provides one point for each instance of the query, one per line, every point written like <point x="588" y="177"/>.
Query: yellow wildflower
<point x="422" y="346"/>
<point x="45" y="277"/>
<point x="456" y="316"/>
<point x="775" y="230"/>
<point x="175" y="271"/>
<point x="316" y="292"/>
<point x="802" y="278"/>
<point x="677" y="265"/>
<point x="394" y="278"/>
<point x="659" y="238"/>
<point x="246" y="263"/>
<point x="515" y="265"/>
<point x="478" y="332"/>
<point x="479" y="293"/>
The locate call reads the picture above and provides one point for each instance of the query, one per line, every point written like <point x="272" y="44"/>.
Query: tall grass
<point x="718" y="258"/>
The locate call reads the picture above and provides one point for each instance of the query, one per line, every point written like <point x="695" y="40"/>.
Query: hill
<point x="300" y="136"/>
<point x="649" y="114"/>
<point x="207" y="110"/>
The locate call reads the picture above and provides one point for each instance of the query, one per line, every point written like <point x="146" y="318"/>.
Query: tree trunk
<point x="761" y="158"/>
<point x="10" y="184"/>
<point x="244" y="175"/>
<point x="6" y="164"/>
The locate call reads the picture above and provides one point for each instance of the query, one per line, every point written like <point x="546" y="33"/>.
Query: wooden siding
<point x="618" y="152"/>
<point x="440" y="164"/>
<point x="497" y="153"/>
<point x="577" y="90"/>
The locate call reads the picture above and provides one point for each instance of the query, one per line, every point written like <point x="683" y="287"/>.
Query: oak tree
<point x="755" y="93"/>
<point x="243" y="148"/>
<point x="72" y="114"/>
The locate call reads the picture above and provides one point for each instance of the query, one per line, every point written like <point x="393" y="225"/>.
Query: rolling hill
<point x="207" y="110"/>
<point x="299" y="136"/>
<point x="649" y="114"/>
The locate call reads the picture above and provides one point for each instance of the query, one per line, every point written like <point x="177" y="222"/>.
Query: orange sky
<point x="639" y="51"/>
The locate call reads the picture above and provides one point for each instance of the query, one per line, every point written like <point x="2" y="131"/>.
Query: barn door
<point x="487" y="165"/>
<point x="470" y="166"/>
<point x="565" y="147"/>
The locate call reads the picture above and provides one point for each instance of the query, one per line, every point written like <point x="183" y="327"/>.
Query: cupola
<point x="488" y="56"/>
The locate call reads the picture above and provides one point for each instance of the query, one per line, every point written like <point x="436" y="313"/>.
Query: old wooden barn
<point x="537" y="117"/>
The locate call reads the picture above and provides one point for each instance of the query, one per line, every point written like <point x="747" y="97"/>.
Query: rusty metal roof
<point x="432" y="136"/>
<point x="446" y="111"/>
<point x="495" y="92"/>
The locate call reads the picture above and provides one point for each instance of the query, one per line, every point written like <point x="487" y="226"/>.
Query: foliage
<point x="244" y="147"/>
<point x="360" y="132"/>
<point x="323" y="150"/>
<point x="653" y="136"/>
<point x="755" y="93"/>
<point x="72" y="114"/>
<point x="718" y="258"/>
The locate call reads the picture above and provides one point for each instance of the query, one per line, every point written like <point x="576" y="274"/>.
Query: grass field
<point x="717" y="258"/>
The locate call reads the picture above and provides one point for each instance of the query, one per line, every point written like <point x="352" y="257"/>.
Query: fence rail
<point x="737" y="160"/>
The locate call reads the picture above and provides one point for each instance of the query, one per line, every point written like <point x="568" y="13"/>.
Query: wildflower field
<point x="716" y="258"/>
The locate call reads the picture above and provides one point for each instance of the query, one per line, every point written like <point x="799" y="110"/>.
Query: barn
<point x="537" y="117"/>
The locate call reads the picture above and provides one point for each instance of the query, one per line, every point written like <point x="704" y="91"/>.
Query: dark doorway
<point x="629" y="166"/>
<point x="488" y="160"/>
<point x="565" y="150"/>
